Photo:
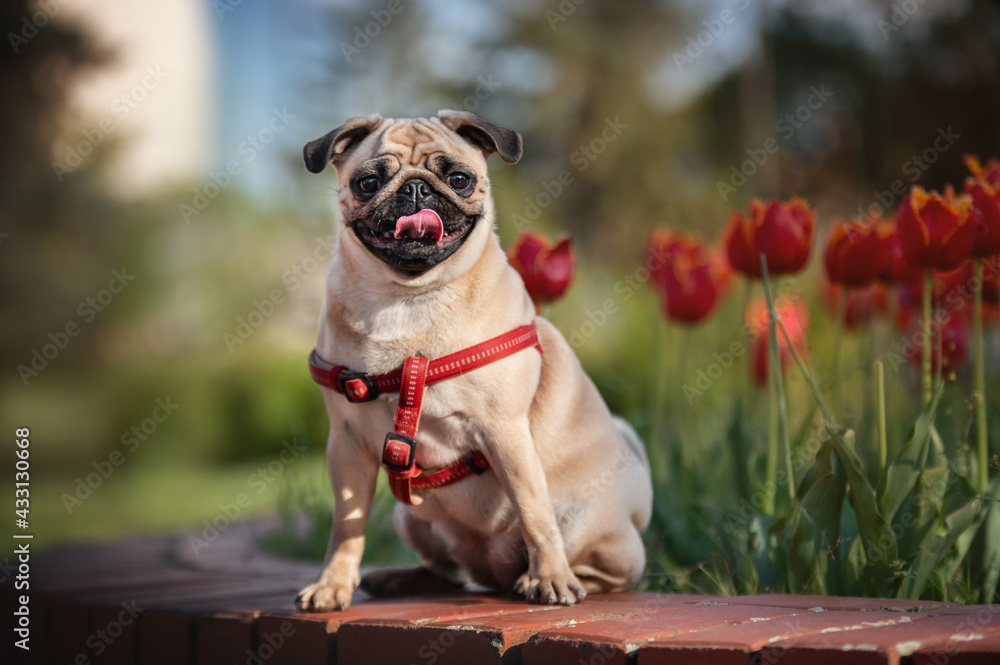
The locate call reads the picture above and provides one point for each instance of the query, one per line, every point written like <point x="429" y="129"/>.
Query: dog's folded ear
<point x="317" y="154"/>
<point x="484" y="135"/>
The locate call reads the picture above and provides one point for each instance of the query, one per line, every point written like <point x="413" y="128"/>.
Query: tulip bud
<point x="936" y="231"/>
<point x="547" y="271"/>
<point x="984" y="190"/>
<point x="691" y="276"/>
<point x="857" y="252"/>
<point x="781" y="231"/>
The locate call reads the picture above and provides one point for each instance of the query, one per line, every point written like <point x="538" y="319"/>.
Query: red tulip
<point x="956" y="287"/>
<point x="795" y="316"/>
<point x="547" y="271"/>
<point x="781" y="231"/>
<point x="984" y="190"/>
<point x="990" y="173"/>
<point x="858" y="252"/>
<point x="936" y="231"/>
<point x="862" y="303"/>
<point x="663" y="247"/>
<point x="897" y="271"/>
<point x="692" y="276"/>
<point x="954" y="342"/>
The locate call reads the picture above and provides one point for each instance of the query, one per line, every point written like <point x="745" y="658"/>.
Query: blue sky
<point x="263" y="63"/>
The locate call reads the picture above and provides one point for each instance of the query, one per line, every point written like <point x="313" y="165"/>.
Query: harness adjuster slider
<point x="471" y="462"/>
<point x="393" y="454"/>
<point x="357" y="387"/>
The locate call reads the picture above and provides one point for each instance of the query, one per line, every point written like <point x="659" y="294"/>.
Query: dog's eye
<point x="458" y="181"/>
<point x="368" y="185"/>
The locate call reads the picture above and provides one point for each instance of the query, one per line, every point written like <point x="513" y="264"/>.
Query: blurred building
<point x="153" y="99"/>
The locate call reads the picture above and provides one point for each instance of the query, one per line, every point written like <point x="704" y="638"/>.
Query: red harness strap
<point x="411" y="381"/>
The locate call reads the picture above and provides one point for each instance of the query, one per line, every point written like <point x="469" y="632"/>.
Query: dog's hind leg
<point x="437" y="572"/>
<point x="612" y="563"/>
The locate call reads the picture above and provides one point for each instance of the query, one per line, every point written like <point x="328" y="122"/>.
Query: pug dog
<point x="419" y="271"/>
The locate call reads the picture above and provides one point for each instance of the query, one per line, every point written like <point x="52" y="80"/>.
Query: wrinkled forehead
<point x="414" y="142"/>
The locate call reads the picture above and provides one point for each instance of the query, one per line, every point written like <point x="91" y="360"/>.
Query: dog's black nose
<point x="416" y="189"/>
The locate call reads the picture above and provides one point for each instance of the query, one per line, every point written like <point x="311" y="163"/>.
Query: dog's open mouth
<point x="423" y="228"/>
<point x="417" y="242"/>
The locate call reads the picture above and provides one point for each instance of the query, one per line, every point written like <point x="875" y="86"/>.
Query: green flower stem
<point x="980" y="377"/>
<point x="775" y="366"/>
<point x="748" y="367"/>
<point x="895" y="407"/>
<point x="831" y="422"/>
<point x="883" y="449"/>
<point x="659" y="394"/>
<point x="928" y="285"/>
<point x="771" y="462"/>
<point x="837" y="340"/>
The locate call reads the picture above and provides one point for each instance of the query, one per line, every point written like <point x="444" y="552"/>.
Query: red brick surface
<point x="838" y="602"/>
<point x="613" y="640"/>
<point x="469" y="632"/>
<point x="738" y="644"/>
<point x="238" y="615"/>
<point x="882" y="644"/>
<point x="969" y="651"/>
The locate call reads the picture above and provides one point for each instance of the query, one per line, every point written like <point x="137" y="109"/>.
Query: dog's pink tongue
<point x="422" y="224"/>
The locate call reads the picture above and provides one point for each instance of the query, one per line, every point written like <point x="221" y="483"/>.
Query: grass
<point x="147" y="500"/>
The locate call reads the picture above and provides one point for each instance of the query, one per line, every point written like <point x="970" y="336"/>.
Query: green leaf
<point x="991" y="553"/>
<point x="741" y="442"/>
<point x="817" y="526"/>
<point x="852" y="570"/>
<point x="877" y="537"/>
<point x="937" y="547"/>
<point x="769" y="553"/>
<point x="964" y="543"/>
<point x="811" y="477"/>
<point x="901" y="474"/>
<point x="922" y="513"/>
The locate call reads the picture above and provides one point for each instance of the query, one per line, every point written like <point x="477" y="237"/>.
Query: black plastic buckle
<point x="411" y="458"/>
<point x="371" y="389"/>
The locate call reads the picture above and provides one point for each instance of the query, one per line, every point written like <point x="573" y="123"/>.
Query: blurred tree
<point x="51" y="229"/>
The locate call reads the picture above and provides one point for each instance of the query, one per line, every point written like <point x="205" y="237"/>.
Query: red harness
<point x="411" y="381"/>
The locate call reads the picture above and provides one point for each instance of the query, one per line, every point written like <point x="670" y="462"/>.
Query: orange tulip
<point x="936" y="231"/>
<point x="692" y="277"/>
<point x="547" y="271"/>
<point x="984" y="190"/>
<point x="858" y="252"/>
<point x="781" y="231"/>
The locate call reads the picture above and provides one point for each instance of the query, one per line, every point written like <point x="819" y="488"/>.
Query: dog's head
<point x="413" y="191"/>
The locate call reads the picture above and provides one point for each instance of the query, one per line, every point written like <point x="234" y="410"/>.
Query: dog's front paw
<point x="324" y="596"/>
<point x="562" y="588"/>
